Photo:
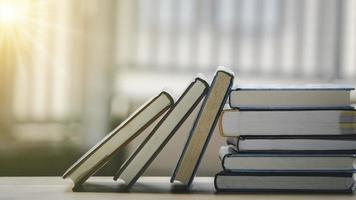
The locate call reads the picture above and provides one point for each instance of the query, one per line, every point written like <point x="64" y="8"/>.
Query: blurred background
<point x="71" y="70"/>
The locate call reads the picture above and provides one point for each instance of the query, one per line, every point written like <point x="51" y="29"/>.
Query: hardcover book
<point x="234" y="161"/>
<point x="203" y="127"/>
<point x="133" y="168"/>
<point x="235" y="122"/>
<point x="294" y="143"/>
<point x="309" y="96"/>
<point x="276" y="181"/>
<point x="101" y="153"/>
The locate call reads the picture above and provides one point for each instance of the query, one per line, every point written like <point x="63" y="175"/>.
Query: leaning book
<point x="203" y="127"/>
<point x="140" y="160"/>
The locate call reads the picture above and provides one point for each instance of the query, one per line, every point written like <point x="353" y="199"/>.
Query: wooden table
<point x="156" y="188"/>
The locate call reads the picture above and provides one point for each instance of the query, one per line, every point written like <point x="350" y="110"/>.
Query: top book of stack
<point x="291" y="97"/>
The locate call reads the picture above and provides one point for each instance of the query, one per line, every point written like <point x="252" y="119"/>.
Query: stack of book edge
<point x="288" y="138"/>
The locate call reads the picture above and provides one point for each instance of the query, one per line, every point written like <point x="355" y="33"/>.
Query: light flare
<point x="12" y="13"/>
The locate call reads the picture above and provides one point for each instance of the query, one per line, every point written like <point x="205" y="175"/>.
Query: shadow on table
<point x="165" y="187"/>
<point x="146" y="187"/>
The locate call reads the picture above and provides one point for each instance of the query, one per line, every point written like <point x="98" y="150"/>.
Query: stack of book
<point x="279" y="138"/>
<point x="288" y="138"/>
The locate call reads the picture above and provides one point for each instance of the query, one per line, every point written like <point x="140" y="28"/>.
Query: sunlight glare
<point x="11" y="12"/>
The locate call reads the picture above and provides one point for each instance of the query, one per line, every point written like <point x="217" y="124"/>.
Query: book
<point x="294" y="143"/>
<point x="137" y="163"/>
<point x="276" y="181"/>
<point x="105" y="149"/>
<point x="308" y="96"/>
<point x="234" y="161"/>
<point x="234" y="122"/>
<point x="203" y="127"/>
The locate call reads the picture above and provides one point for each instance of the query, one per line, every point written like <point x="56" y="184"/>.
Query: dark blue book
<point x="280" y="181"/>
<point x="311" y="144"/>
<point x="307" y="96"/>
<point x="235" y="161"/>
<point x="235" y="122"/>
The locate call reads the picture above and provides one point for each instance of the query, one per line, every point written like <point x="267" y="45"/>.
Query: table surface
<point x="53" y="188"/>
